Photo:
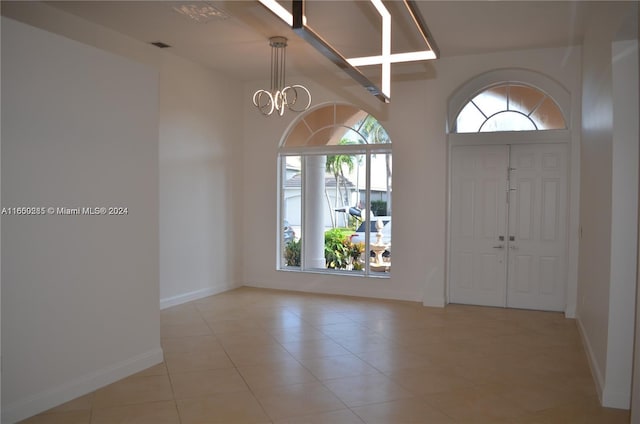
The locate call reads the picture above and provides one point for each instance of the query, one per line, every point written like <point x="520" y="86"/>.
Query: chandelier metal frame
<point x="279" y="96"/>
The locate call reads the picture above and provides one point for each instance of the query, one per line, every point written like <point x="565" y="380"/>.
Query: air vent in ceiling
<point x="160" y="44"/>
<point x="200" y="12"/>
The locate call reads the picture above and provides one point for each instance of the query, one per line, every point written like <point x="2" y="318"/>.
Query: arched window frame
<point x="531" y="106"/>
<point x="366" y="149"/>
<point x="467" y="91"/>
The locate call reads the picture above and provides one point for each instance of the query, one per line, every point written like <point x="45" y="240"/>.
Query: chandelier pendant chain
<point x="280" y="96"/>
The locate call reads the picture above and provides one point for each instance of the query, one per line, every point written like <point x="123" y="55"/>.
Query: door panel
<point x="478" y="219"/>
<point x="522" y="189"/>
<point x="537" y="217"/>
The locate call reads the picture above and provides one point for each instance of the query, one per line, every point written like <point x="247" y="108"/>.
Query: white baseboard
<point x="570" y="311"/>
<point x="593" y="364"/>
<point x="55" y="396"/>
<point x="616" y="399"/>
<point x="336" y="291"/>
<point x="168" y="302"/>
<point x="610" y="397"/>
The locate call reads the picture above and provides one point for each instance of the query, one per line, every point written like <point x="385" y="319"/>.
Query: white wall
<point x="635" y="389"/>
<point x="197" y="144"/>
<point x="0" y="234"/>
<point x="200" y="140"/>
<point x="416" y="121"/>
<point x="607" y="270"/>
<point x="624" y="223"/>
<point x="595" y="198"/>
<point x="80" y="293"/>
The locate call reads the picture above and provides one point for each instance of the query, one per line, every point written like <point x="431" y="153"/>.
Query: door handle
<point x="500" y="246"/>
<point x="512" y="247"/>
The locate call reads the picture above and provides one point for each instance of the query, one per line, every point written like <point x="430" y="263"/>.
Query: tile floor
<point x="264" y="356"/>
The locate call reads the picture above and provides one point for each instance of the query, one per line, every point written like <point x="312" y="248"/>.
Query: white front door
<point x="508" y="226"/>
<point x="478" y="267"/>
<point x="537" y="227"/>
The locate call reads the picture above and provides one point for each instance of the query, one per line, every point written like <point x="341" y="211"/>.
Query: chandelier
<point x="279" y="97"/>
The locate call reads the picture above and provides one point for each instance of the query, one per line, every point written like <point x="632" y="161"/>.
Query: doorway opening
<point x="508" y="226"/>
<point x="508" y="195"/>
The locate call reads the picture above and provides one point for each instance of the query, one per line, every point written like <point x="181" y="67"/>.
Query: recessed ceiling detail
<point x="201" y="12"/>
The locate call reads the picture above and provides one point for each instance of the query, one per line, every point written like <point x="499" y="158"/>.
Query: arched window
<point x="509" y="107"/>
<point x="335" y="189"/>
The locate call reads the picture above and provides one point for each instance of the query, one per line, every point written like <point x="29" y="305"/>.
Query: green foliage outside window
<point x="292" y="253"/>
<point x="379" y="207"/>
<point x="339" y="251"/>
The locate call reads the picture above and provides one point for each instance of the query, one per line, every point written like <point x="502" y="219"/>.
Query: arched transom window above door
<point x="509" y="107"/>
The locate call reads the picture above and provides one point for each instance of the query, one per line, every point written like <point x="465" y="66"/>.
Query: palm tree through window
<point x="335" y="189"/>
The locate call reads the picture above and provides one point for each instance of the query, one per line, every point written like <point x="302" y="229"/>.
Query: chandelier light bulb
<point x="279" y="97"/>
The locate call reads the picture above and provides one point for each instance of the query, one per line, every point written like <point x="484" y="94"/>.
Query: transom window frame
<point x="365" y="149"/>
<point x="526" y="104"/>
<point x="553" y="89"/>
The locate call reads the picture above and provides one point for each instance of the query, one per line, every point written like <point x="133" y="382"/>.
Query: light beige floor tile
<point x="133" y="390"/>
<point x="297" y="399"/>
<point x="206" y="382"/>
<point x="217" y="313"/>
<point x="317" y="348"/>
<point x="223" y="408"/>
<point x="486" y="369"/>
<point x="233" y="325"/>
<point x="366" y="389"/>
<point x="583" y="386"/>
<point x="468" y="363"/>
<point x="246" y="339"/>
<point x="219" y="303"/>
<point x="190" y="344"/>
<point x="537" y="396"/>
<point x="159" y="369"/>
<point x="183" y="314"/>
<point x="182" y="362"/>
<point x="337" y="367"/>
<point x="184" y="330"/>
<point x="346" y="331"/>
<point x="142" y="413"/>
<point x="278" y="318"/>
<point x="322" y="318"/>
<point x="69" y="417"/>
<point x="363" y="342"/>
<point x="304" y="332"/>
<point x="415" y="336"/>
<point x="563" y="364"/>
<point x="432" y="378"/>
<point x="579" y="412"/>
<point x="380" y="318"/>
<point x="243" y="356"/>
<point x="405" y="411"/>
<point x="393" y="359"/>
<point x="276" y="374"/>
<point x="344" y="416"/>
<point x="475" y="404"/>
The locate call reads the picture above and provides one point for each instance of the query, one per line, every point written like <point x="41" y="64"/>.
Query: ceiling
<point x="238" y="45"/>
